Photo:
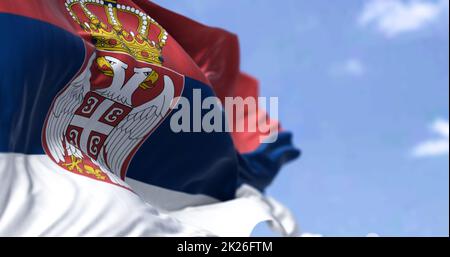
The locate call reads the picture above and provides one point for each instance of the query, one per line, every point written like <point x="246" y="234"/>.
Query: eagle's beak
<point x="152" y="78"/>
<point x="105" y="67"/>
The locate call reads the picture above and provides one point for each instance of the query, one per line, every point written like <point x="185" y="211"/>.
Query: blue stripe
<point x="37" y="60"/>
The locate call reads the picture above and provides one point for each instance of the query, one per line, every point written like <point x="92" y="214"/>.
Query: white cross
<point x="93" y="124"/>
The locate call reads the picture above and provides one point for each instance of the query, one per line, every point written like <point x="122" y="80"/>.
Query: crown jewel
<point x="144" y="42"/>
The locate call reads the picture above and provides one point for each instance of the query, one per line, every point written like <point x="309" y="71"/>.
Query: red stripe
<point x="54" y="12"/>
<point x="51" y="11"/>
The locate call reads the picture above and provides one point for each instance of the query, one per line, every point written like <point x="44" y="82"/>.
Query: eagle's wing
<point x="135" y="127"/>
<point x="63" y="110"/>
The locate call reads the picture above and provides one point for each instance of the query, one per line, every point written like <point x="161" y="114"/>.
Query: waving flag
<point x="88" y="91"/>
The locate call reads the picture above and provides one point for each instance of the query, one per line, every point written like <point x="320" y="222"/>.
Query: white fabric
<point x="168" y="200"/>
<point x="38" y="198"/>
<point x="227" y="219"/>
<point x="240" y="216"/>
<point x="281" y="218"/>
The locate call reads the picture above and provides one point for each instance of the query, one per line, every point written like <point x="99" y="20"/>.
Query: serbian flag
<point x="102" y="125"/>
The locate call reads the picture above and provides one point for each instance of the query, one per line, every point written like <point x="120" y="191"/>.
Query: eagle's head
<point x="109" y="65"/>
<point x="150" y="80"/>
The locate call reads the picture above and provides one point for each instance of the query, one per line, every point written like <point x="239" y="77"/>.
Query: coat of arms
<point x="98" y="121"/>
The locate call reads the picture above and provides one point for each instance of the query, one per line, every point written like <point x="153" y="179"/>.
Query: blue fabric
<point x="37" y="61"/>
<point x="260" y="167"/>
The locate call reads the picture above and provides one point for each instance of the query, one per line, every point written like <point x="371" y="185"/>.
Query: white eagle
<point x="130" y="131"/>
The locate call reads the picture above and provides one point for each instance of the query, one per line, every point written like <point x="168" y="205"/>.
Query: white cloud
<point x="351" y="67"/>
<point x="393" y="17"/>
<point x="438" y="146"/>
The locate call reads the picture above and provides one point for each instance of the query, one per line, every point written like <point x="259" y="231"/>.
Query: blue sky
<point x="364" y="86"/>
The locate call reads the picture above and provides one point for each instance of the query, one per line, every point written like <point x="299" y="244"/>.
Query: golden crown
<point x="101" y="19"/>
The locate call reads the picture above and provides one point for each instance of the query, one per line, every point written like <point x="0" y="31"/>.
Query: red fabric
<point x="216" y="52"/>
<point x="54" y="12"/>
<point x="247" y="86"/>
<point x="44" y="10"/>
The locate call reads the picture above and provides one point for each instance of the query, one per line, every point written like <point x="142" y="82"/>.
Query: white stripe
<point x="38" y="198"/>
<point x="239" y="217"/>
<point x="166" y="199"/>
<point x="235" y="218"/>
